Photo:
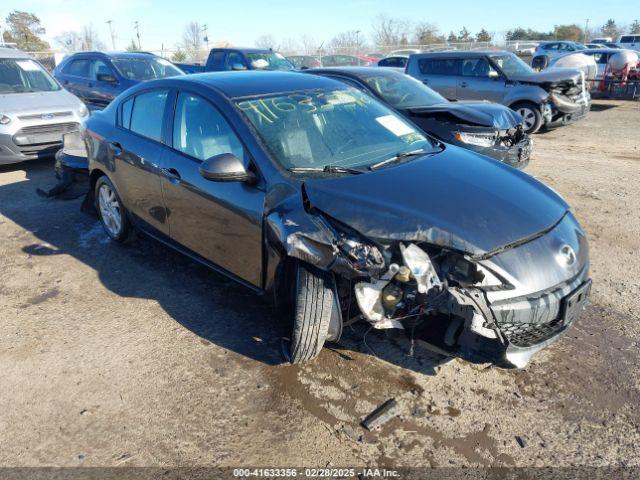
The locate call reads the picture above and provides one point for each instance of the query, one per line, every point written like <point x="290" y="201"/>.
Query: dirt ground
<point x="137" y="356"/>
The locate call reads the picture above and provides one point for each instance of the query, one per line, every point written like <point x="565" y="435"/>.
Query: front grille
<point x="529" y="334"/>
<point x="44" y="116"/>
<point x="49" y="128"/>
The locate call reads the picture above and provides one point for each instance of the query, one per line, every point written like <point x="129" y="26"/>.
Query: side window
<point x="551" y="46"/>
<point x="200" y="131"/>
<point x="125" y="113"/>
<point x="439" y="66"/>
<point x="98" y="67"/>
<point x="626" y="39"/>
<point x="398" y="62"/>
<point x="78" y="68"/>
<point x="217" y="60"/>
<point x="234" y="58"/>
<point x="476" y="67"/>
<point x="147" y="114"/>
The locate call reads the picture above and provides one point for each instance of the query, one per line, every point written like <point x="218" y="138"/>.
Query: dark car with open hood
<point x="484" y="127"/>
<point x="328" y="200"/>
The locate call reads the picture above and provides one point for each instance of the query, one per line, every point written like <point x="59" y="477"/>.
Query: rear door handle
<point x="463" y="84"/>
<point x="172" y="174"/>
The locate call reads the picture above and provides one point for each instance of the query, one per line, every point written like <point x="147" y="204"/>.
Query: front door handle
<point x="172" y="174"/>
<point x="463" y="84"/>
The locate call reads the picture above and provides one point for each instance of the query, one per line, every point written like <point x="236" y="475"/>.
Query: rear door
<point x="439" y="73"/>
<point x="75" y="78"/>
<point x="136" y="150"/>
<point x="220" y="221"/>
<point x="479" y="80"/>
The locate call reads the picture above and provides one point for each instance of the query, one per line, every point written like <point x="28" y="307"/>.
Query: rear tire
<point x="313" y="307"/>
<point x="111" y="211"/>
<point x="531" y="114"/>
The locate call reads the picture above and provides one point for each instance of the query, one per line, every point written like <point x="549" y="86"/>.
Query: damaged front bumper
<point x="568" y="107"/>
<point x="517" y="155"/>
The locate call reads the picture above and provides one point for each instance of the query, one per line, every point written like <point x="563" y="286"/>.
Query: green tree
<point x="132" y="47"/>
<point x="483" y="36"/>
<point x="179" y="56"/>
<point x="25" y="30"/>
<point x="465" y="35"/>
<point x="520" y="33"/>
<point x="635" y="27"/>
<point x="610" y="29"/>
<point x="569" y="32"/>
<point x="452" y="38"/>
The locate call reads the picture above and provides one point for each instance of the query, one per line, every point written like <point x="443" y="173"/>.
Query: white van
<point x="35" y="111"/>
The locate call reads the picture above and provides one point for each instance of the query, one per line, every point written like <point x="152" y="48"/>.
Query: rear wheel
<point x="111" y="211"/>
<point x="313" y="308"/>
<point x="531" y="114"/>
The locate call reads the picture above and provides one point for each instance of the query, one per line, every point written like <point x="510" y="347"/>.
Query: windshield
<point x="342" y="128"/>
<point x="20" y="75"/>
<point x="269" y="61"/>
<point x="146" y="68"/>
<point x="511" y="65"/>
<point x="402" y="91"/>
<point x="579" y="46"/>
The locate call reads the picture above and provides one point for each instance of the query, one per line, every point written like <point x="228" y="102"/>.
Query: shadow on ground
<point x="213" y="307"/>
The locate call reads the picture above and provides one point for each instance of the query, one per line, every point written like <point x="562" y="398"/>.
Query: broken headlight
<point x="458" y="269"/>
<point x="478" y="139"/>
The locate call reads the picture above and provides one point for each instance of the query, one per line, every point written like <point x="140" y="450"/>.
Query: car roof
<point x="600" y="50"/>
<point x="244" y="50"/>
<point x="12" y="53"/>
<point x="250" y="83"/>
<point x="461" y="53"/>
<point x="115" y="54"/>
<point x="356" y="72"/>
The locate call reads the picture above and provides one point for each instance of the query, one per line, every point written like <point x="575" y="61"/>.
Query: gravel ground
<point x="137" y="356"/>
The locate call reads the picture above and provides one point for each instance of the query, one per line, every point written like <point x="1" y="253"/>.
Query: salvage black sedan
<point x="309" y="190"/>
<point x="484" y="127"/>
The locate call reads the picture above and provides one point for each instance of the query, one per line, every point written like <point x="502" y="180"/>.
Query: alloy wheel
<point x="110" y="211"/>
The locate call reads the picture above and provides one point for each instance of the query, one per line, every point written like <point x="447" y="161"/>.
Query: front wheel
<point x="313" y="308"/>
<point x="531" y="114"/>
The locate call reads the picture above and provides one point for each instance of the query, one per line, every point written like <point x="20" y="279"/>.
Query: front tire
<point x="531" y="114"/>
<point x="313" y="308"/>
<point x="111" y="211"/>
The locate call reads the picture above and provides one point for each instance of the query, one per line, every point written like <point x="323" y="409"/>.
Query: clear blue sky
<point x="241" y="21"/>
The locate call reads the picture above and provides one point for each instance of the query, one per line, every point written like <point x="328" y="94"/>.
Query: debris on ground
<point x="381" y="415"/>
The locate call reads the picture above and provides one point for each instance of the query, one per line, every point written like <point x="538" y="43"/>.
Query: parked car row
<point x="343" y="192"/>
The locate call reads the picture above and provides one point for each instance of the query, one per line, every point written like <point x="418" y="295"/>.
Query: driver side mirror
<point x="226" y="167"/>
<point x="493" y="74"/>
<point x="238" y="66"/>
<point x="106" y="77"/>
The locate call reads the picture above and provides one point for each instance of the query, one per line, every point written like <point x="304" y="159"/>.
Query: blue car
<point x="98" y="77"/>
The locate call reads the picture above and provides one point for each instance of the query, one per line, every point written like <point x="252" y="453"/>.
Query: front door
<point x="479" y="81"/>
<point x="220" y="221"/>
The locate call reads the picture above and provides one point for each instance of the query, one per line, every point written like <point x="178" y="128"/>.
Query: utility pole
<point x="113" y="37"/>
<point x="357" y="42"/>
<point x="205" y="29"/>
<point x="136" y="25"/>
<point x="1" y="35"/>
<point x="586" y="29"/>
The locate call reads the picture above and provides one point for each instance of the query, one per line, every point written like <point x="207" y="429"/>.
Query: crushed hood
<point x="484" y="114"/>
<point x="456" y="199"/>
<point x="553" y="76"/>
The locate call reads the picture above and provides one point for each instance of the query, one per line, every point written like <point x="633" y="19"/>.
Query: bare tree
<point x="192" y="40"/>
<point x="426" y="33"/>
<point x="68" y="41"/>
<point x="349" y="42"/>
<point x="288" y="46"/>
<point x="310" y="45"/>
<point x="89" y="39"/>
<point x="266" y="41"/>
<point x="389" y="31"/>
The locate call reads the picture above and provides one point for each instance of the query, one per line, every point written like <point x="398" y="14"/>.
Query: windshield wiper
<point x="327" y="169"/>
<point x="398" y="158"/>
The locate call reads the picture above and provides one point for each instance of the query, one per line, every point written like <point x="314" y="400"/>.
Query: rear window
<point x="148" y="113"/>
<point x="78" y="68"/>
<point x="439" y="66"/>
<point x="630" y="39"/>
